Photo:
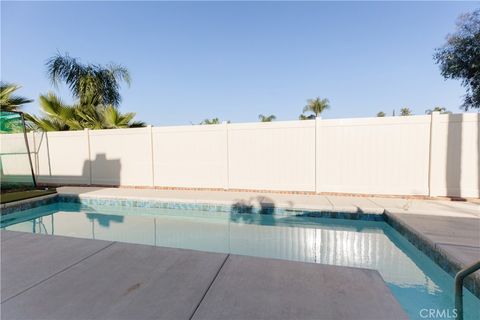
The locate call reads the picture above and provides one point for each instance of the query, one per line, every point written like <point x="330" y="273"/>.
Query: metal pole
<point x="462" y="274"/>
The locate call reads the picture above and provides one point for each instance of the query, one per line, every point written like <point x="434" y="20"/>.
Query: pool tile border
<point x="28" y="204"/>
<point x="206" y="207"/>
<point x="209" y="207"/>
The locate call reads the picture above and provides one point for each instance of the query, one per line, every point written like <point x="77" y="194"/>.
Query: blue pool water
<point x="415" y="280"/>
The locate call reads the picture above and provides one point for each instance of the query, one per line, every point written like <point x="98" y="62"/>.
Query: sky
<point x="235" y="60"/>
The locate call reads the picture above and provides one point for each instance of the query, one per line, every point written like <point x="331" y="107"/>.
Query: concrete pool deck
<point x="54" y="277"/>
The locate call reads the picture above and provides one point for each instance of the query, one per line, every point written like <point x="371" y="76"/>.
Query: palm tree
<point x="405" y="112"/>
<point x="442" y="110"/>
<point x="61" y="117"/>
<point x="269" y="118"/>
<point x="9" y="101"/>
<point x="96" y="89"/>
<point x="315" y="106"/>
<point x="91" y="83"/>
<point x="304" y="117"/>
<point x="211" y="121"/>
<point x="381" y="114"/>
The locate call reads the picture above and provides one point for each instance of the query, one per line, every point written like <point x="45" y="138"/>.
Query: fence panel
<point x="121" y="157"/>
<point x="416" y="155"/>
<point x="190" y="156"/>
<point x="272" y="156"/>
<point x="374" y="155"/>
<point x="62" y="157"/>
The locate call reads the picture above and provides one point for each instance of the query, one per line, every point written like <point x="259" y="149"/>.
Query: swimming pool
<point x="415" y="280"/>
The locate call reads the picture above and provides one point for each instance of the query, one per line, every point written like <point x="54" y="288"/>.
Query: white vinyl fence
<point x="433" y="155"/>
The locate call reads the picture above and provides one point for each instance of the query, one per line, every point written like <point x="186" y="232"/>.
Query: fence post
<point x="317" y="154"/>
<point x="226" y="185"/>
<point x="152" y="159"/>
<point x="87" y="135"/>
<point x="432" y="191"/>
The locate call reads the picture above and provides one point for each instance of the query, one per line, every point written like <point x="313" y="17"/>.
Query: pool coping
<point x="446" y="260"/>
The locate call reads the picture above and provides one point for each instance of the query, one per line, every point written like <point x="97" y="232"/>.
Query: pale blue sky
<point x="193" y="60"/>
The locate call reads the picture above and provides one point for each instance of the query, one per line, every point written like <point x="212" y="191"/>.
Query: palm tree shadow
<point x="101" y="166"/>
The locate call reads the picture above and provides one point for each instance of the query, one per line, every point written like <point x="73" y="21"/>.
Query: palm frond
<point x="9" y="101"/>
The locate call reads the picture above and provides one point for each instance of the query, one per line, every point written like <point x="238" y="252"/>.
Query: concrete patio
<point x="53" y="277"/>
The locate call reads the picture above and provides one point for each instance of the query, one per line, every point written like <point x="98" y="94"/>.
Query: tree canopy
<point x="459" y="58"/>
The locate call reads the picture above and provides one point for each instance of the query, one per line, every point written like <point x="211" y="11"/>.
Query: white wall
<point x="416" y="155"/>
